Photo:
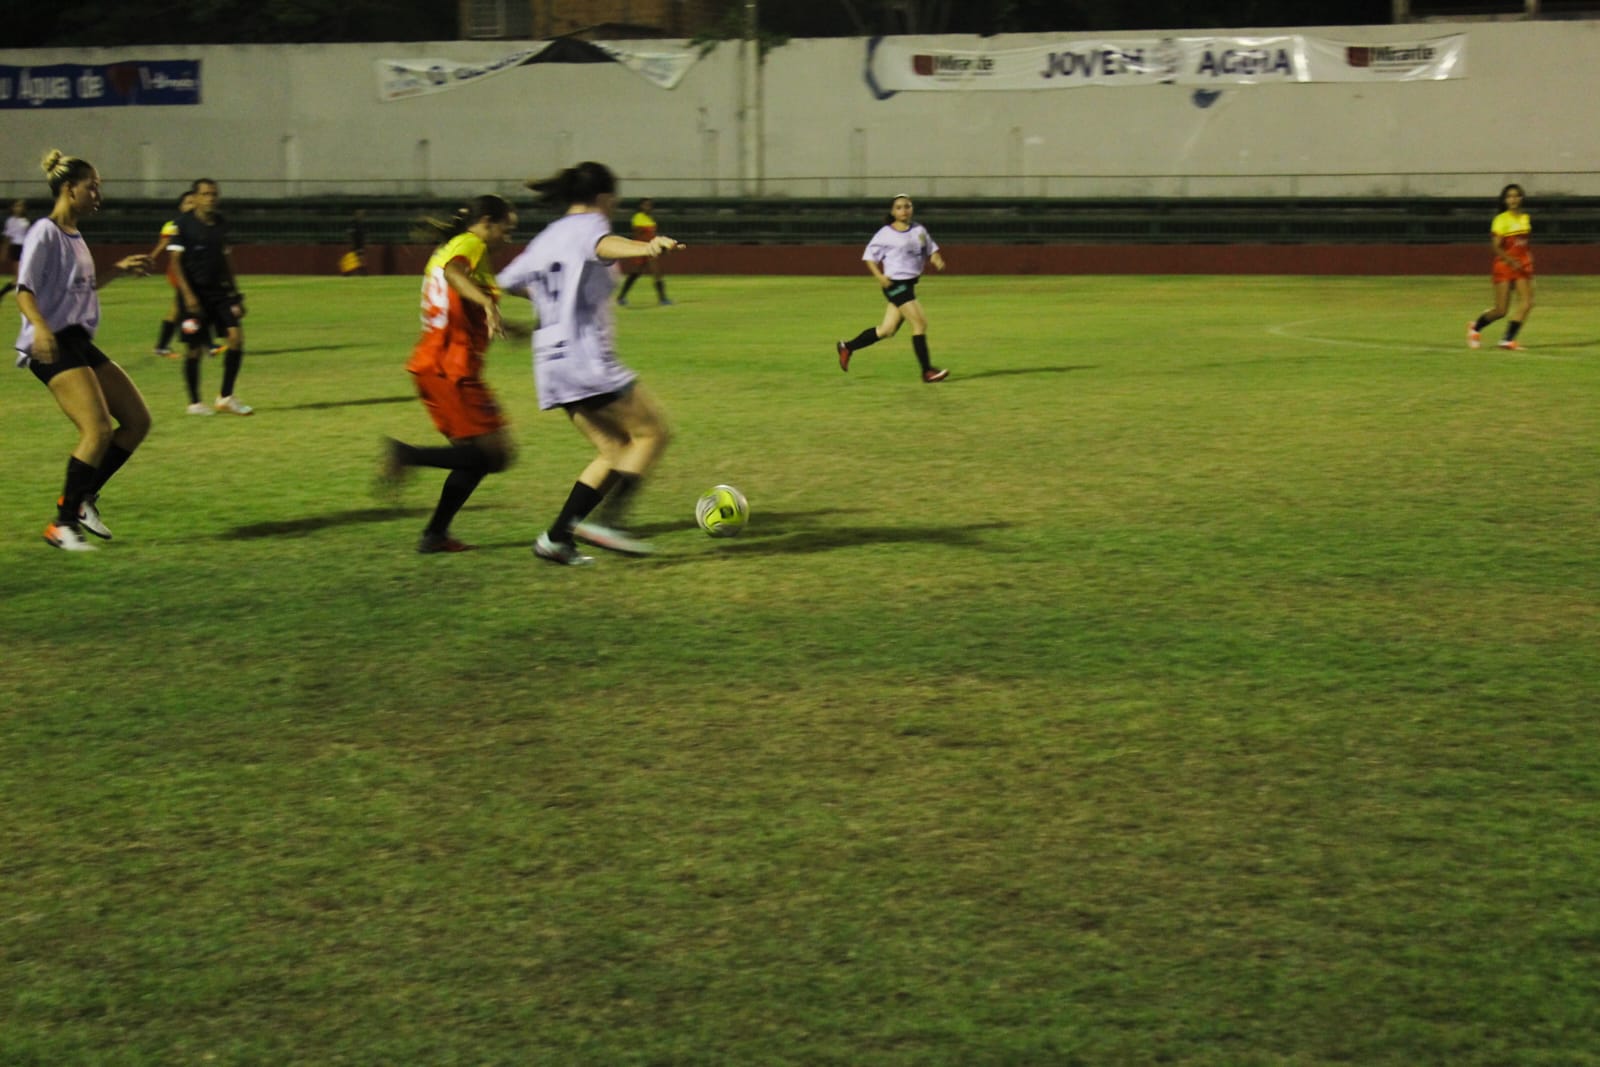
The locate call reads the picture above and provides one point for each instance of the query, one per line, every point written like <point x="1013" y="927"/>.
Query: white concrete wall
<point x="307" y="120"/>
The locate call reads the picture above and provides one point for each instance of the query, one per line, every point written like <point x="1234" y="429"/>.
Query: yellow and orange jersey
<point x="455" y="332"/>
<point x="1512" y="229"/>
<point x="644" y="227"/>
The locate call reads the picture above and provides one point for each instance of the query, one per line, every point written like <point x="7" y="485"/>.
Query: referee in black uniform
<point x="211" y="299"/>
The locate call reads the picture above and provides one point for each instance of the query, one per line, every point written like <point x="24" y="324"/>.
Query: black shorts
<point x="902" y="292"/>
<point x="14" y="253"/>
<point x="74" y="348"/>
<point x="596" y="402"/>
<point x="216" y="318"/>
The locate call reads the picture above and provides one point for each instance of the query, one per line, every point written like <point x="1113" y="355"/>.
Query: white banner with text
<point x="901" y="65"/>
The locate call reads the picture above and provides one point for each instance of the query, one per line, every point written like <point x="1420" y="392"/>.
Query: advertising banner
<point x="901" y="65"/>
<point x="1430" y="60"/>
<point x="158" y="83"/>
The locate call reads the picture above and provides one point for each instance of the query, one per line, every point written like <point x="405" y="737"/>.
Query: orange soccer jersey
<point x="644" y="228"/>
<point x="1511" y="232"/>
<point x="447" y="362"/>
<point x="455" y="333"/>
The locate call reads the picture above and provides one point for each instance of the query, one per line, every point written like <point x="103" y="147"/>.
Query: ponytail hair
<point x="61" y="169"/>
<point x="584" y="184"/>
<point x="491" y="207"/>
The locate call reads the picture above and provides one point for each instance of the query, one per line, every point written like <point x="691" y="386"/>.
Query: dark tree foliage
<point x="118" y="22"/>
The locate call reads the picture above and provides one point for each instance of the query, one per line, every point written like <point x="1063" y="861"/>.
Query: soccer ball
<point x="722" y="511"/>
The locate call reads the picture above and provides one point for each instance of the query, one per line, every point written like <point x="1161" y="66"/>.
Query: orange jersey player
<point x="169" y="324"/>
<point x="1512" y="270"/>
<point x="644" y="229"/>
<point x="460" y="317"/>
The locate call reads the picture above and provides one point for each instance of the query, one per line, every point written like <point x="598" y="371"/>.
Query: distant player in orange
<point x="1513" y="269"/>
<point x="644" y="229"/>
<point x="460" y="316"/>
<point x="169" y="325"/>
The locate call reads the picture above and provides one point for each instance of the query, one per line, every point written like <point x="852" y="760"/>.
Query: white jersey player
<point x="58" y="296"/>
<point x="897" y="255"/>
<point x="566" y="271"/>
<point x="574" y="347"/>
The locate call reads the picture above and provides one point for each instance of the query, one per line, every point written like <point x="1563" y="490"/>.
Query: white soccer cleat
<point x="67" y="539"/>
<point x="198" y="408"/>
<point x="232" y="406"/>
<point x="564" y="553"/>
<point x="610" y="539"/>
<point x="89" y="517"/>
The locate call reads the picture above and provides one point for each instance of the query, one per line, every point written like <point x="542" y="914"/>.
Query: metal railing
<point x="1456" y="184"/>
<point x="808" y="221"/>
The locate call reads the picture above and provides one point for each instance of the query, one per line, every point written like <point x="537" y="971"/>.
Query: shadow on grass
<point x="296" y="351"/>
<point x="369" y="401"/>
<point x="1009" y="371"/>
<point x="312" y="523"/>
<point x="778" y="533"/>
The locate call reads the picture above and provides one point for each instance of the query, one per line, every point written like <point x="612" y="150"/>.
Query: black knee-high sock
<point x="1483" y="320"/>
<point x="619" y="489"/>
<point x="919" y="345"/>
<point x="115" y="457"/>
<point x="453" y="458"/>
<point x="167" y="330"/>
<point x="1512" y="330"/>
<point x="79" y="484"/>
<point x="230" y="368"/>
<point x="579" y="503"/>
<point x="457" y="488"/>
<point x="191" y="377"/>
<point x="661" y="288"/>
<point x="627" y="283"/>
<point x="866" y="337"/>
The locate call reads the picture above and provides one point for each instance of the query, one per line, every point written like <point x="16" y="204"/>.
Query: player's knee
<point x="94" y="434"/>
<point x="134" y="425"/>
<point x="497" y="458"/>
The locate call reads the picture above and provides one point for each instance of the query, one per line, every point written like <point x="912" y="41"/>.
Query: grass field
<point x="1207" y="673"/>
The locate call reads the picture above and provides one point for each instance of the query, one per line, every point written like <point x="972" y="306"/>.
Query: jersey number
<point x="436" y="301"/>
<point x="549" y="283"/>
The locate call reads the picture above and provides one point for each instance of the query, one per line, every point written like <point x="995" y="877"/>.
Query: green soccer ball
<point x="722" y="511"/>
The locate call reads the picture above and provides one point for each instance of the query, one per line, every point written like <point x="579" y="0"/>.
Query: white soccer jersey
<point x="16" y="229"/>
<point x="58" y="270"/>
<point x="903" y="256"/>
<point x="574" y="349"/>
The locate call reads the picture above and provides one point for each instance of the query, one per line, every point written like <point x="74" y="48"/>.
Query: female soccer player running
<point x="60" y="303"/>
<point x="1513" y="267"/>
<point x="566" y="271"/>
<point x="896" y="256"/>
<point x="460" y="316"/>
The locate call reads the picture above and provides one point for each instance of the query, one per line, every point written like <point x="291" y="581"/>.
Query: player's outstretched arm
<point x="615" y="246"/>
